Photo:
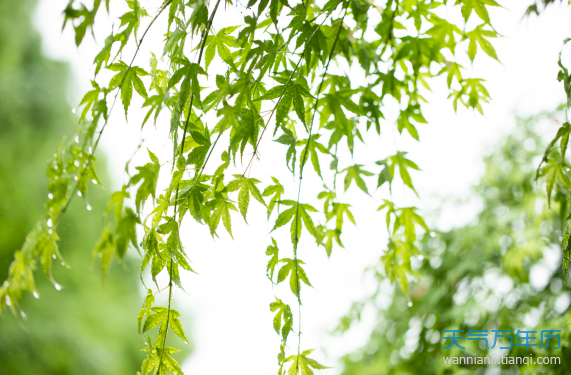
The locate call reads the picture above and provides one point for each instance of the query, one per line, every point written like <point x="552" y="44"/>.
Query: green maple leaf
<point x="272" y="251"/>
<point x="391" y="163"/>
<point x="299" y="214"/>
<point x="220" y="42"/>
<point x="289" y="139"/>
<point x="283" y="312"/>
<point x="407" y="219"/>
<point x="288" y="92"/>
<point x="127" y="78"/>
<point x="403" y="122"/>
<point x="554" y="171"/>
<point x="159" y="314"/>
<point x="354" y="173"/>
<point x="293" y="267"/>
<point x="479" y="6"/>
<point x="247" y="187"/>
<point x="338" y="211"/>
<point x="479" y="35"/>
<point x="326" y="237"/>
<point x="146" y="309"/>
<point x="311" y="149"/>
<point x="276" y="191"/>
<point x="221" y="210"/>
<point x="149" y="173"/>
<point x="176" y="326"/>
<point x="303" y="365"/>
<point x="84" y="15"/>
<point x="188" y="73"/>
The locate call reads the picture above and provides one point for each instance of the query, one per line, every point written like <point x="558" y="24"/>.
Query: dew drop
<point x="94" y="182"/>
<point x="23" y="315"/>
<point x="57" y="286"/>
<point x="79" y="193"/>
<point x="50" y="231"/>
<point x="73" y="110"/>
<point x="410" y="304"/>
<point x="90" y="150"/>
<point x="88" y="208"/>
<point x="49" y="222"/>
<point x="75" y="178"/>
<point x="76" y="163"/>
<point x="63" y="264"/>
<point x="50" y="196"/>
<point x="8" y="303"/>
<point x="36" y="295"/>
<point x="53" y="256"/>
<point x="76" y="139"/>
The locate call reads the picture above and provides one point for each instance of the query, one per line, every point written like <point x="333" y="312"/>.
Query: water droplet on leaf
<point x="36" y="295"/>
<point x="410" y="304"/>
<point x="57" y="286"/>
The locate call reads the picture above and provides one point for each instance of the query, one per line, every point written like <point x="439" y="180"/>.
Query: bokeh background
<point x="495" y="260"/>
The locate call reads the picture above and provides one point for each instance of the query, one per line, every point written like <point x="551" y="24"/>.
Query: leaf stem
<point x="302" y="161"/>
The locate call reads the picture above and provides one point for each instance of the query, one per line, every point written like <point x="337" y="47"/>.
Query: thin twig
<point x="303" y="160"/>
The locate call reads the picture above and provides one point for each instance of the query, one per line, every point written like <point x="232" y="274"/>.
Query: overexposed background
<point x="225" y="308"/>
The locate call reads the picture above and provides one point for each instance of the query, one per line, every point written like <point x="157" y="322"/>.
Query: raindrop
<point x="8" y="302"/>
<point x="79" y="192"/>
<point x="90" y="150"/>
<point x="88" y="208"/>
<point x="57" y="286"/>
<point x="76" y="163"/>
<point x="95" y="182"/>
<point x="36" y="295"/>
<point x="23" y="315"/>
<point x="53" y="256"/>
<point x="49" y="223"/>
<point x="50" y="196"/>
<point x="73" y="110"/>
<point x="410" y="304"/>
<point x="63" y="264"/>
<point x="76" y="139"/>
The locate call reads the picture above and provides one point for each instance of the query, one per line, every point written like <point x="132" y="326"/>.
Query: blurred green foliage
<point x="479" y="278"/>
<point x="84" y="328"/>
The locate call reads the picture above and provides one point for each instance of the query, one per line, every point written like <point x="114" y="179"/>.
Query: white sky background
<point x="225" y="311"/>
